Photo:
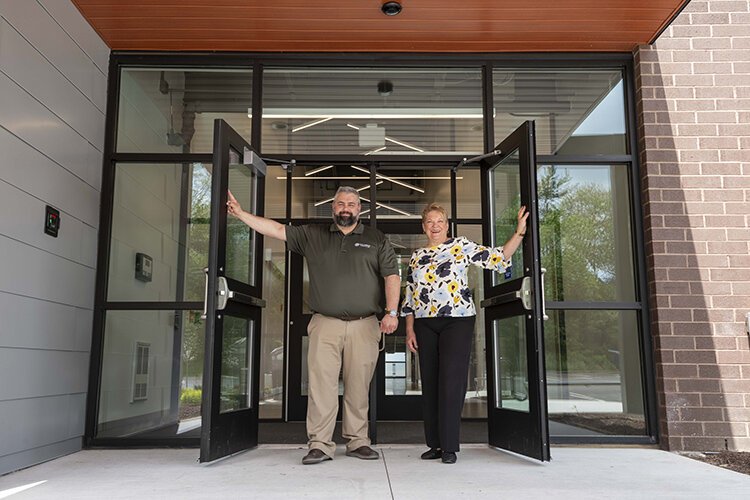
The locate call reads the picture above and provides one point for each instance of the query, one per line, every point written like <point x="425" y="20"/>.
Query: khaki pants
<point x="332" y="339"/>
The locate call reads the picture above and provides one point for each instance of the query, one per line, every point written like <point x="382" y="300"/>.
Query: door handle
<point x="225" y="294"/>
<point x="523" y="293"/>
<point x="544" y="303"/>
<point x="205" y="296"/>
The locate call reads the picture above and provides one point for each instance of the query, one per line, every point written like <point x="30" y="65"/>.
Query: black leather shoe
<point x="449" y="457"/>
<point x="432" y="454"/>
<point x="364" y="452"/>
<point x="315" y="456"/>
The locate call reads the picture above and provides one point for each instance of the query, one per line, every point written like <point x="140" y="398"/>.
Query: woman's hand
<point x="411" y="340"/>
<point x="233" y="206"/>
<point x="521" y="225"/>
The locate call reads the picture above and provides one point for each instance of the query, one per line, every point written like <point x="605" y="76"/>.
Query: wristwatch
<point x="392" y="313"/>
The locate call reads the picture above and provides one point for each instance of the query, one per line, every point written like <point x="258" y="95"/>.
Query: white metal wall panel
<point x="38" y="324"/>
<point x="23" y="64"/>
<point x="29" y="170"/>
<point x="70" y="369"/>
<point x="26" y="118"/>
<point x="67" y="15"/>
<point x="28" y="271"/>
<point x="52" y="102"/>
<point x="40" y="421"/>
<point x="76" y="241"/>
<point x="49" y="38"/>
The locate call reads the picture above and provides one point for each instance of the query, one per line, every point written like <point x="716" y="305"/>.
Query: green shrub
<point x="191" y="396"/>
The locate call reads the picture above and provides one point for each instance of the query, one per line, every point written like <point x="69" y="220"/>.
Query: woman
<point x="440" y="318"/>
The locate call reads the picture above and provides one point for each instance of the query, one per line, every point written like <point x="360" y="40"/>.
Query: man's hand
<point x="388" y="324"/>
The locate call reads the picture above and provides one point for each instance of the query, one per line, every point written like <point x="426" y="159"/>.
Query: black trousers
<point x="444" y="350"/>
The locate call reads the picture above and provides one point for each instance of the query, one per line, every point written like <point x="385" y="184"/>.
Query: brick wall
<point x="693" y="102"/>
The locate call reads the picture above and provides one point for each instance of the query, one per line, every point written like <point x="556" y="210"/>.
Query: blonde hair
<point x="434" y="207"/>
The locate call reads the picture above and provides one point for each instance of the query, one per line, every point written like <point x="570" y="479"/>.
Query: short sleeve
<point x="296" y="239"/>
<point x="387" y="261"/>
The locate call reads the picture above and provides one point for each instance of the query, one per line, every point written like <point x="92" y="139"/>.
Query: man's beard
<point x="344" y="219"/>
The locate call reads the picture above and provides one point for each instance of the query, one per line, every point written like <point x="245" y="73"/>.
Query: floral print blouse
<point x="437" y="280"/>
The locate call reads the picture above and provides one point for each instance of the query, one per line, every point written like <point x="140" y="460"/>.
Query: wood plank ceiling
<point x="360" y="26"/>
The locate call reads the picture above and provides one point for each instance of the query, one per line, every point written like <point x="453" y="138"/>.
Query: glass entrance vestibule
<point x="397" y="129"/>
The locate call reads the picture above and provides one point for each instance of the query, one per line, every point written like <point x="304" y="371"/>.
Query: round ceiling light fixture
<point x="391" y="8"/>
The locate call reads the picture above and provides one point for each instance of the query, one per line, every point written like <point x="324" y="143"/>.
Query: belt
<point x="353" y="318"/>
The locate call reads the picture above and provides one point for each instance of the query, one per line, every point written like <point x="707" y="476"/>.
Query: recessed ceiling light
<point x="391" y="8"/>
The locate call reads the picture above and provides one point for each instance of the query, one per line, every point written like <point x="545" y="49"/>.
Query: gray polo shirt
<point x="346" y="271"/>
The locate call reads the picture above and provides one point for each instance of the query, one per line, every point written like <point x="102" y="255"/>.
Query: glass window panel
<point x="313" y="189"/>
<point x="275" y="188"/>
<point x="272" y="338"/>
<point x="475" y="404"/>
<point x="161" y="211"/>
<point x="152" y="374"/>
<point x="576" y="111"/>
<point x="511" y="364"/>
<point x="236" y="364"/>
<point x="172" y="110"/>
<point x="403" y="194"/>
<point x="468" y="197"/>
<point x="505" y="186"/>
<point x="377" y="111"/>
<point x="240" y="249"/>
<point x="593" y="367"/>
<point x="305" y="379"/>
<point x="586" y="232"/>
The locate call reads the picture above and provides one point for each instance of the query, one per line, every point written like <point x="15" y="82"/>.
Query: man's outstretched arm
<point x="266" y="227"/>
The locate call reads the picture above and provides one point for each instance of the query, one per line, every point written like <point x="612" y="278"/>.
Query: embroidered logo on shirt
<point x="363" y="245"/>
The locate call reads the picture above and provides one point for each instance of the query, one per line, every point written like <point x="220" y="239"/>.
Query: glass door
<point x="232" y="307"/>
<point x="399" y="386"/>
<point x="514" y="303"/>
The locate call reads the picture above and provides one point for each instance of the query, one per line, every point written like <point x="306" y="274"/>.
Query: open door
<point x="514" y="303"/>
<point x="233" y="303"/>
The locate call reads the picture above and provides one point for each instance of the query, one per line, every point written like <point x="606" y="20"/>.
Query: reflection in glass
<point x="401" y="365"/>
<point x="162" y="211"/>
<point x="152" y="374"/>
<point x="240" y="249"/>
<point x="236" y="364"/>
<point x="468" y="200"/>
<point x="172" y="110"/>
<point x="511" y="364"/>
<point x="272" y="337"/>
<point x="575" y="111"/>
<point x="475" y="404"/>
<point x="593" y="366"/>
<point x="313" y="189"/>
<point x="505" y="186"/>
<point x="586" y="233"/>
<point x="372" y="111"/>
<point x="404" y="193"/>
<point x="275" y="192"/>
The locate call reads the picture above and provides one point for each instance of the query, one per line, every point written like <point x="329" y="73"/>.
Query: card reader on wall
<point x="144" y="266"/>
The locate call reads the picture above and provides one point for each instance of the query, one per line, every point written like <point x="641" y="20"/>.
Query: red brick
<point x="716" y="371"/>
<point x="722" y="400"/>
<point x="675" y="342"/>
<point x="708" y="234"/>
<point x="688" y="301"/>
<point x="727" y="247"/>
<point x="727" y="221"/>
<point x="691" y="328"/>
<point x="707" y="261"/>
<point x="703" y="443"/>
<point x="695" y="356"/>
<point x="725" y="195"/>
<point x="702" y="414"/>
<point x="710" y="315"/>
<point x="692" y="247"/>
<point x="716" y="343"/>
<point x="725" y="429"/>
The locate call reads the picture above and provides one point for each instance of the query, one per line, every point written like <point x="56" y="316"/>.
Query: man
<point x="346" y="261"/>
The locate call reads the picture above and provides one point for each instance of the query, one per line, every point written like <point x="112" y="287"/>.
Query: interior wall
<point x="53" y="76"/>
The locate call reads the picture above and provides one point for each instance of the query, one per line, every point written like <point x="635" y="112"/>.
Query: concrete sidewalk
<point x="275" y="471"/>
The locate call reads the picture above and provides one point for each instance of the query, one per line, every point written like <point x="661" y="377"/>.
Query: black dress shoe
<point x="449" y="457"/>
<point x="364" y="453"/>
<point x="315" y="456"/>
<point x="432" y="454"/>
